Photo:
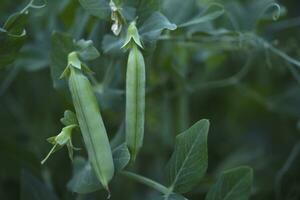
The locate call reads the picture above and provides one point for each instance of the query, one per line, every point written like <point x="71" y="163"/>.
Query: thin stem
<point x="31" y="5"/>
<point x="8" y="80"/>
<point x="285" y="24"/>
<point x="287" y="165"/>
<point x="294" y="72"/>
<point x="48" y="155"/>
<point x="146" y="181"/>
<point x="232" y="80"/>
<point x="281" y="54"/>
<point x="27" y="6"/>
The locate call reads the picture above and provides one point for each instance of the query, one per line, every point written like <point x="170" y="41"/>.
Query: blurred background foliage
<point x="238" y="71"/>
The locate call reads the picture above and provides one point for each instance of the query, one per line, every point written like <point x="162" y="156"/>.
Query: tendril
<point x="32" y="5"/>
<point x="276" y="13"/>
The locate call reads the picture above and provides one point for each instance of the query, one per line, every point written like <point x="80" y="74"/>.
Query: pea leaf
<point x="61" y="45"/>
<point x="203" y="18"/>
<point x="84" y="179"/>
<point x="154" y="25"/>
<point x="15" y="23"/>
<point x="121" y="157"/>
<point x="188" y="9"/>
<point x="97" y="8"/>
<point x="10" y="46"/>
<point x="146" y="7"/>
<point x="189" y="160"/>
<point x="69" y="118"/>
<point x="233" y="184"/>
<point x="112" y="44"/>
<point x="86" y="50"/>
<point x="12" y="38"/>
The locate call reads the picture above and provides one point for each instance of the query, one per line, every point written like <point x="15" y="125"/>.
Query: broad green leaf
<point x="112" y="44"/>
<point x="128" y="13"/>
<point x="189" y="160"/>
<point x="154" y="25"/>
<point x="12" y="37"/>
<point x="121" y="157"/>
<point x="146" y="7"/>
<point x="33" y="189"/>
<point x="203" y="18"/>
<point x="97" y="8"/>
<point x="233" y="184"/>
<point x="86" y="50"/>
<point x="15" y="23"/>
<point x="188" y="9"/>
<point x="69" y="118"/>
<point x="84" y="179"/>
<point x="61" y="45"/>
<point x="10" y="46"/>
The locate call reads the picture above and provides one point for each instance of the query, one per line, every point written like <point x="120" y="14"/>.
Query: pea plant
<point x="123" y="69"/>
<point x="188" y="162"/>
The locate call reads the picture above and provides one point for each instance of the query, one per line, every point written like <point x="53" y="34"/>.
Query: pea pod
<point x="135" y="100"/>
<point x="91" y="124"/>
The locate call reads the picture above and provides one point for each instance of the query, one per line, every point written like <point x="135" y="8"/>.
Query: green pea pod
<point x="91" y="125"/>
<point x="135" y="101"/>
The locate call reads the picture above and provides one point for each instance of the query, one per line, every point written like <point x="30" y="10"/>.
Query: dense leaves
<point x="189" y="161"/>
<point x="233" y="184"/>
<point x="234" y="62"/>
<point x="84" y="179"/>
<point x="12" y="37"/>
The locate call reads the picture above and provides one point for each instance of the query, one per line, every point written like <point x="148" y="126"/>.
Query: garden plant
<point x="149" y="99"/>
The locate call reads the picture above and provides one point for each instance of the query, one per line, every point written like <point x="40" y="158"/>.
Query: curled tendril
<point x="32" y="5"/>
<point x="276" y="13"/>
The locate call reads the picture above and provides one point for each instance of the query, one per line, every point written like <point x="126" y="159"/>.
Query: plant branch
<point x="146" y="181"/>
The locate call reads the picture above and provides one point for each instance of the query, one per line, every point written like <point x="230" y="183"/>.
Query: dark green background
<point x="253" y="122"/>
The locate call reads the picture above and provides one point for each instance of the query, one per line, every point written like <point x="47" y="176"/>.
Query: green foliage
<point x="154" y="67"/>
<point x="97" y="8"/>
<point x="12" y="37"/>
<point x="232" y="184"/>
<point x="189" y="161"/>
<point x="154" y="25"/>
<point x="84" y="179"/>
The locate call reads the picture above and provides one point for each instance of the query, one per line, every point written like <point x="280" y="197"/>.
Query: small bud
<point x="132" y="35"/>
<point x="62" y="139"/>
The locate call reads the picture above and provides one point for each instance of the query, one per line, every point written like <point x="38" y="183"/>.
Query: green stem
<point x="146" y="181"/>
<point x="31" y="5"/>
<point x="49" y="154"/>
<point x="26" y="7"/>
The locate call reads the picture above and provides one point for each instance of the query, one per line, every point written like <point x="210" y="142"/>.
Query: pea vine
<point x="123" y="35"/>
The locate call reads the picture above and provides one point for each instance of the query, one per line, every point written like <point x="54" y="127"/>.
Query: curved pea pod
<point x="91" y="125"/>
<point x="135" y="101"/>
